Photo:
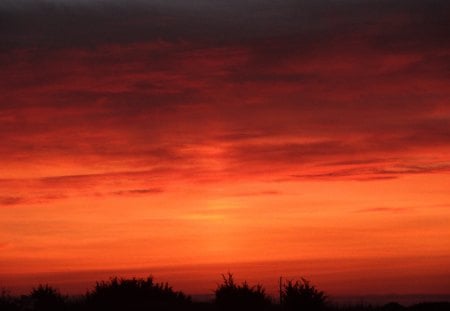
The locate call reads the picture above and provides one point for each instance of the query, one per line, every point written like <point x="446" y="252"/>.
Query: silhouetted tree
<point x="431" y="306"/>
<point x="135" y="294"/>
<point x="301" y="295"/>
<point x="232" y="296"/>
<point x="47" y="298"/>
<point x="393" y="306"/>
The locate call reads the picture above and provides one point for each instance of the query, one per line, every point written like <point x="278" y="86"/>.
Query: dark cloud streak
<point x="87" y="23"/>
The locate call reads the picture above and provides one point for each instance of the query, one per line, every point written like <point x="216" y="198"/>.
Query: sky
<point x="185" y="139"/>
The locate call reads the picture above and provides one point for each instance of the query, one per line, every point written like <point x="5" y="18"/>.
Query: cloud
<point x="138" y="192"/>
<point x="375" y="172"/>
<point x="403" y="25"/>
<point x="8" y="201"/>
<point x="41" y="190"/>
<point x="385" y="210"/>
<point x="31" y="198"/>
<point x="164" y="90"/>
<point x="256" y="193"/>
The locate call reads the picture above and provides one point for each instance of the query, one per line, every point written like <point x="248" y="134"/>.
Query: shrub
<point x="301" y="295"/>
<point x="392" y="306"/>
<point x="135" y="294"/>
<point x="47" y="298"/>
<point x="431" y="306"/>
<point x="232" y="296"/>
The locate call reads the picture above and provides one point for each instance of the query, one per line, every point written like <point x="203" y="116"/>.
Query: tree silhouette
<point x="393" y="306"/>
<point x="135" y="294"/>
<point x="431" y="306"/>
<point x="47" y="298"/>
<point x="301" y="295"/>
<point x="232" y="296"/>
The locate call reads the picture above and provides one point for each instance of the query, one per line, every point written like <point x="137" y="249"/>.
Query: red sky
<point x="307" y="138"/>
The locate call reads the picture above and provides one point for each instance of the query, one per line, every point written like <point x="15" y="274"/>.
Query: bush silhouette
<point x="393" y="306"/>
<point x="47" y="298"/>
<point x="232" y="296"/>
<point x="301" y="295"/>
<point x="135" y="294"/>
<point x="431" y="306"/>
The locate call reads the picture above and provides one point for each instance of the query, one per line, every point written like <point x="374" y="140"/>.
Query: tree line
<point x="136" y="294"/>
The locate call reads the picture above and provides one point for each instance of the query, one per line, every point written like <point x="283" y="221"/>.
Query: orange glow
<point x="186" y="157"/>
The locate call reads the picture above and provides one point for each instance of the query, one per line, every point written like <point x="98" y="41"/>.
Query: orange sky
<point x="307" y="149"/>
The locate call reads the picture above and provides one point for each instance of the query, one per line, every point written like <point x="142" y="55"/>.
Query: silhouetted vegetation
<point x="431" y="306"/>
<point x="47" y="298"/>
<point x="135" y="294"/>
<point x="301" y="295"/>
<point x="145" y="294"/>
<point x="232" y="296"/>
<point x="7" y="302"/>
<point x="393" y="306"/>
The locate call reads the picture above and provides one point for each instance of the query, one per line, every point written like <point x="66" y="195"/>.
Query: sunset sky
<point x="185" y="138"/>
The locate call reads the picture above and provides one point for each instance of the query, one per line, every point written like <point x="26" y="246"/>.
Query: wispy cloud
<point x="8" y="201"/>
<point x="385" y="210"/>
<point x="138" y="192"/>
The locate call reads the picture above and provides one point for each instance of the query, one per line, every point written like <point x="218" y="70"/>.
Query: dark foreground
<point x="145" y="294"/>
